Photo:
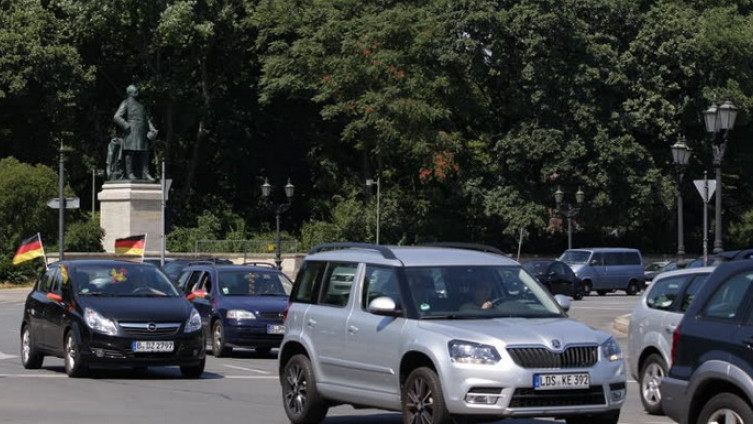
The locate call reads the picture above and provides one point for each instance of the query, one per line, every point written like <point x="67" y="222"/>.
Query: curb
<point x="621" y="323"/>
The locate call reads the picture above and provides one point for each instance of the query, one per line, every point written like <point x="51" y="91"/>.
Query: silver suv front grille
<point x="540" y="357"/>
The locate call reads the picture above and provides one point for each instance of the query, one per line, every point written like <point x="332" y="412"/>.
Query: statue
<point x="128" y="157"/>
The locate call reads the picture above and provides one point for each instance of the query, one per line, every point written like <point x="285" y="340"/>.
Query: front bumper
<point x="97" y="348"/>
<point x="252" y="333"/>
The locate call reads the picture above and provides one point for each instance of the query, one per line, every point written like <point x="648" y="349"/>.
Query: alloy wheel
<point x="650" y="383"/>
<point x="420" y="402"/>
<point x="295" y="389"/>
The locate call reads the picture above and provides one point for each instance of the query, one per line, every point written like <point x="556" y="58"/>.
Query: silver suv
<point x="441" y="334"/>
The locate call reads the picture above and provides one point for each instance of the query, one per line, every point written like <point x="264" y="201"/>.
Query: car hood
<point x="518" y="331"/>
<point x="139" y="309"/>
<point x="577" y="267"/>
<point x="256" y="303"/>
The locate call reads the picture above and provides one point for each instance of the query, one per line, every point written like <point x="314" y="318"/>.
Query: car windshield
<point x="575" y="256"/>
<point x="254" y="283"/>
<point x="535" y="267"/>
<point x="119" y="279"/>
<point x="473" y="292"/>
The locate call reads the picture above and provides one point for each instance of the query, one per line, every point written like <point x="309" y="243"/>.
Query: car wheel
<point x="422" y="399"/>
<point x="75" y="366"/>
<point x="30" y="356"/>
<point x="577" y="293"/>
<point x="633" y="288"/>
<point x="587" y="288"/>
<point x="727" y="408"/>
<point x="652" y="373"/>
<point x="194" y="371"/>
<point x="219" y="349"/>
<point x="610" y="417"/>
<point x="300" y="397"/>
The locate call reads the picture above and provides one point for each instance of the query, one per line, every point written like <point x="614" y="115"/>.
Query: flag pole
<point x="143" y="252"/>
<point x="44" y="254"/>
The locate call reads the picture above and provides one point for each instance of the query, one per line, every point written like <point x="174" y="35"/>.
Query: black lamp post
<point x="266" y="190"/>
<point x="719" y="120"/>
<point x="568" y="211"/>
<point x="680" y="155"/>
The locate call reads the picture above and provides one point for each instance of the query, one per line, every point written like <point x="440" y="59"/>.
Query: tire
<point x="422" y="399"/>
<point x="652" y="373"/>
<point x="578" y="293"/>
<point x="75" y="365"/>
<point x="722" y="406"/>
<point x="587" y="287"/>
<point x="194" y="371"/>
<point x="31" y="358"/>
<point x="633" y="288"/>
<point x="300" y="397"/>
<point x="219" y="348"/>
<point x="610" y="417"/>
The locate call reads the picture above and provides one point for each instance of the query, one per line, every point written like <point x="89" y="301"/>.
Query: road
<point x="243" y="388"/>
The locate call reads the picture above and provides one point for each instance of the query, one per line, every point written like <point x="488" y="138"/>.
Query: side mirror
<point x="54" y="296"/>
<point x="593" y="262"/>
<point x="563" y="301"/>
<point x="383" y="305"/>
<point x="198" y="294"/>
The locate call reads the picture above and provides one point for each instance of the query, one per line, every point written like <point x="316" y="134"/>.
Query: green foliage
<point x="84" y="236"/>
<point x="184" y="239"/>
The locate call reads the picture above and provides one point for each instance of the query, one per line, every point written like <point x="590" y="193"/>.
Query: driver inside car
<point x="481" y="297"/>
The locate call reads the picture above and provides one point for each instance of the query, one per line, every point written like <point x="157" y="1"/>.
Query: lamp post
<point x="719" y="120"/>
<point x="568" y="211"/>
<point x="370" y="183"/>
<point x="95" y="173"/>
<point x="680" y="155"/>
<point x="266" y="191"/>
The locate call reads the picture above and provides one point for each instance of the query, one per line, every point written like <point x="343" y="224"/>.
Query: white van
<point x="606" y="269"/>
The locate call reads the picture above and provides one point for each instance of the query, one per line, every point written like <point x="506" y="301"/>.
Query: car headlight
<point x="611" y="350"/>
<point x="240" y="314"/>
<point x="194" y="322"/>
<point x="99" y="323"/>
<point x="472" y="353"/>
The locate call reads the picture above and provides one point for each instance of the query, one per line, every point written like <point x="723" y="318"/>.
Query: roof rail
<point x="468" y="246"/>
<point x="384" y="250"/>
<point x="260" y="264"/>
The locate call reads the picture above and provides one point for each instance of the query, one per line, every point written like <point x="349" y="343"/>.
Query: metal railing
<point x="246" y="246"/>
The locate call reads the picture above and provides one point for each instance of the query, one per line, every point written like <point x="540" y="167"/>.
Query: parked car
<point x="656" y="314"/>
<point x="108" y="312"/>
<point x="440" y="333"/>
<point x="711" y="377"/>
<point x="557" y="277"/>
<point x="173" y="268"/>
<point x="240" y="305"/>
<point x="606" y="269"/>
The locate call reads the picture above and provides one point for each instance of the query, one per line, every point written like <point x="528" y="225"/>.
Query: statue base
<point x="129" y="209"/>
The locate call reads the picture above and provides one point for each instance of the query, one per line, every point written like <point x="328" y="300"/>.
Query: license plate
<point x="152" y="346"/>
<point x="561" y="381"/>
<point x="275" y="329"/>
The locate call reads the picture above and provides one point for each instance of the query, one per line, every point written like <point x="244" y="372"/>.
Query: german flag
<point x="133" y="245"/>
<point x="30" y="248"/>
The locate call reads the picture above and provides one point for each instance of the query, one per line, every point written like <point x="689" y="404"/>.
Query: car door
<point x="326" y="321"/>
<point x="59" y="312"/>
<point x="559" y="283"/>
<point x="53" y="315"/>
<point x="37" y="308"/>
<point x="204" y="304"/>
<point x="373" y="340"/>
<point x="598" y="271"/>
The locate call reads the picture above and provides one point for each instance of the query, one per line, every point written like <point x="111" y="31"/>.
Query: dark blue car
<point x="240" y="305"/>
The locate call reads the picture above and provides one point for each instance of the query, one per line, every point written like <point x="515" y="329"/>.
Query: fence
<point x="246" y="246"/>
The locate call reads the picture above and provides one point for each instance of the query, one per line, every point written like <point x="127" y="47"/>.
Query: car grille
<point x="539" y="357"/>
<point x="142" y="329"/>
<point x="530" y="398"/>
<point x="271" y="316"/>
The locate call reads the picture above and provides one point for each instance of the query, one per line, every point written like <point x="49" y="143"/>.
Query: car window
<point x="183" y="281"/>
<point x="597" y="258"/>
<point x="613" y="258"/>
<point x="56" y="282"/>
<point x="725" y="302"/>
<point x="559" y="269"/>
<point x="45" y="282"/>
<point x="664" y="292"/>
<point x="575" y="256"/>
<point x="250" y="282"/>
<point x="691" y="290"/>
<point x="379" y="281"/>
<point x="205" y="282"/>
<point x="308" y="278"/>
<point x="193" y="280"/>
<point x="338" y="283"/>
<point x="120" y="279"/>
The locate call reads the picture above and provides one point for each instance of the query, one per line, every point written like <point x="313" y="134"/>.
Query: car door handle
<point x="311" y="322"/>
<point x="352" y="329"/>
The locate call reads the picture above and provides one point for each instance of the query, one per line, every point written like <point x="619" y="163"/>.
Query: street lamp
<point x="680" y="155"/>
<point x="370" y="183"/>
<point x="719" y="120"/>
<point x="95" y="173"/>
<point x="266" y="191"/>
<point x="568" y="211"/>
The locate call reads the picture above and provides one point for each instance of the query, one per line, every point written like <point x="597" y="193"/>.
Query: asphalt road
<point x="242" y="388"/>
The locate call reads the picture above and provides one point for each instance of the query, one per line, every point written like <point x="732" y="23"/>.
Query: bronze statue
<point x="132" y="151"/>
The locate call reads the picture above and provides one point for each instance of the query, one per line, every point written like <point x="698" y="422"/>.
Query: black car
<point x="711" y="377"/>
<point x="174" y="267"/>
<point x="100" y="312"/>
<point x="557" y="277"/>
<point x="240" y="305"/>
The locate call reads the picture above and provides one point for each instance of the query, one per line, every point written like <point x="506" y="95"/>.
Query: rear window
<point x="308" y="278"/>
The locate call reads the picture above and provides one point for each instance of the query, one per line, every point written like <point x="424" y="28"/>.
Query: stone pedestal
<point x="129" y="209"/>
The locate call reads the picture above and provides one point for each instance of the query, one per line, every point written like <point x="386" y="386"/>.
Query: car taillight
<point x="675" y="343"/>
<point x="285" y="313"/>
